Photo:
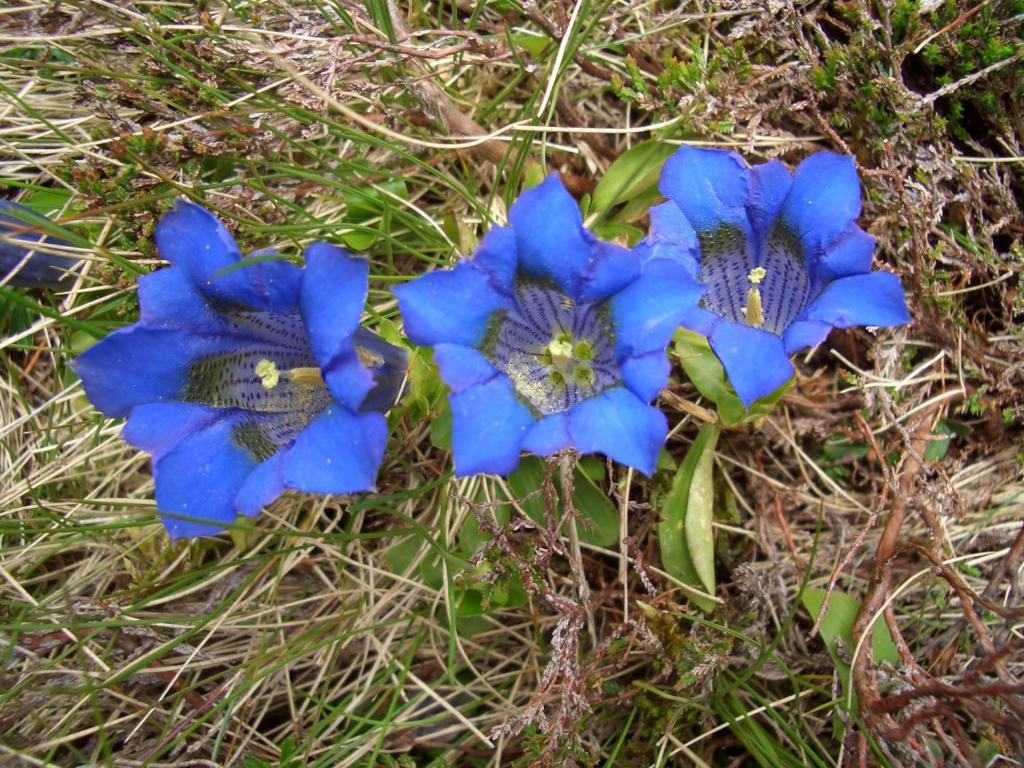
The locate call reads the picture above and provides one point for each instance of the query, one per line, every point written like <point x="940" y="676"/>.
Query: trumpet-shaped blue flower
<point x="550" y="338"/>
<point x="23" y="262"/>
<point x="243" y="378"/>
<point x="780" y="254"/>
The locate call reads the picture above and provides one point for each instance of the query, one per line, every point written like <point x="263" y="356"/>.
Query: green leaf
<point x="599" y="524"/>
<point x="839" y="447"/>
<point x="988" y="752"/>
<point x="700" y="538"/>
<point x="365" y="204"/>
<point x="689" y="557"/>
<point x="535" y="45"/>
<point x="441" y="427"/>
<point x="635" y="171"/>
<point x="609" y="230"/>
<point x="703" y="368"/>
<point x="837" y="628"/>
<point x="637" y="207"/>
<point x="533" y="175"/>
<point x="946" y="430"/>
<point x="600" y="519"/>
<point x="838" y="623"/>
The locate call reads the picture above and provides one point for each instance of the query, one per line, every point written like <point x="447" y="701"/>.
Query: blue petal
<point x="669" y="223"/>
<point x="389" y="365"/>
<point x="197" y="481"/>
<point x="646" y="314"/>
<point x="463" y="367"/>
<point x="550" y="237"/>
<point x="454" y="306"/>
<point x="488" y="427"/>
<point x="754" y="360"/>
<point x="671" y="237"/>
<point x="158" y="427"/>
<point x="769" y="185"/>
<point x="264" y="484"/>
<point x="21" y="230"/>
<point x="339" y="452"/>
<point x="139" y="365"/>
<point x="700" y="320"/>
<point x="348" y="380"/>
<point x="611" y="269"/>
<point x="823" y="201"/>
<point x="850" y="254"/>
<point x="621" y="426"/>
<point x="191" y="238"/>
<point x="168" y="299"/>
<point x="646" y="375"/>
<point x="496" y="256"/>
<point x="333" y="295"/>
<point x="872" y="299"/>
<point x="277" y="281"/>
<point x="710" y="186"/>
<point x="548" y="435"/>
<point x="803" y="334"/>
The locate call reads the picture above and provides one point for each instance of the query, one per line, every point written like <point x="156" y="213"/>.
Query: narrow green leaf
<point x="706" y="373"/>
<point x="700" y="539"/>
<point x="702" y="367"/>
<point x="633" y="172"/>
<point x="599" y="525"/>
<point x="838" y="623"/>
<point x="600" y="519"/>
<point x="945" y="430"/>
<point x="672" y="535"/>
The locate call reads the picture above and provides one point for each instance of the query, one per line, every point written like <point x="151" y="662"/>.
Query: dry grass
<point x="349" y="631"/>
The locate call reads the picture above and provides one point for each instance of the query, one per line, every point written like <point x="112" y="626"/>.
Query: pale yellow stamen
<point x="310" y="376"/>
<point x="369" y="358"/>
<point x="753" y="312"/>
<point x="268" y="373"/>
<point x="270" y="376"/>
<point x="560" y="350"/>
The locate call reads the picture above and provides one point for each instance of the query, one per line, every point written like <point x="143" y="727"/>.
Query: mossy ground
<point x="435" y="623"/>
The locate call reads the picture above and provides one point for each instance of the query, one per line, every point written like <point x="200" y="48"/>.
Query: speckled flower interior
<point x="550" y="338"/>
<point x="245" y="378"/>
<point x="780" y="254"/>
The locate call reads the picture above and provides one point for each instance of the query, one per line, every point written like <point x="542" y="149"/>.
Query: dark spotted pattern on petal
<point x="272" y="418"/>
<point x="263" y="435"/>
<point x="725" y="264"/>
<point x="518" y="343"/>
<point x="785" y="288"/>
<point x="230" y="381"/>
<point x="285" y="331"/>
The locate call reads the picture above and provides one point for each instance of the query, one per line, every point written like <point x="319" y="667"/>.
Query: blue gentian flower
<point x="243" y="378"/>
<point x="550" y="338"/>
<point x="23" y="262"/>
<point x="780" y="254"/>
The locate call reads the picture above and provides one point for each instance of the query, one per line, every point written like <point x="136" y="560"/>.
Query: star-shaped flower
<point x="780" y="254"/>
<point x="245" y="377"/>
<point x="550" y="338"/>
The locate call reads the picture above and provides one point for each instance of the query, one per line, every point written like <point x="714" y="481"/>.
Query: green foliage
<point x="983" y="39"/>
<point x="599" y="523"/>
<point x="706" y="373"/>
<point x="685" y="534"/>
<point x="328" y="631"/>
<point x="946" y="430"/>
<point x="633" y="175"/>
<point x="837" y="633"/>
